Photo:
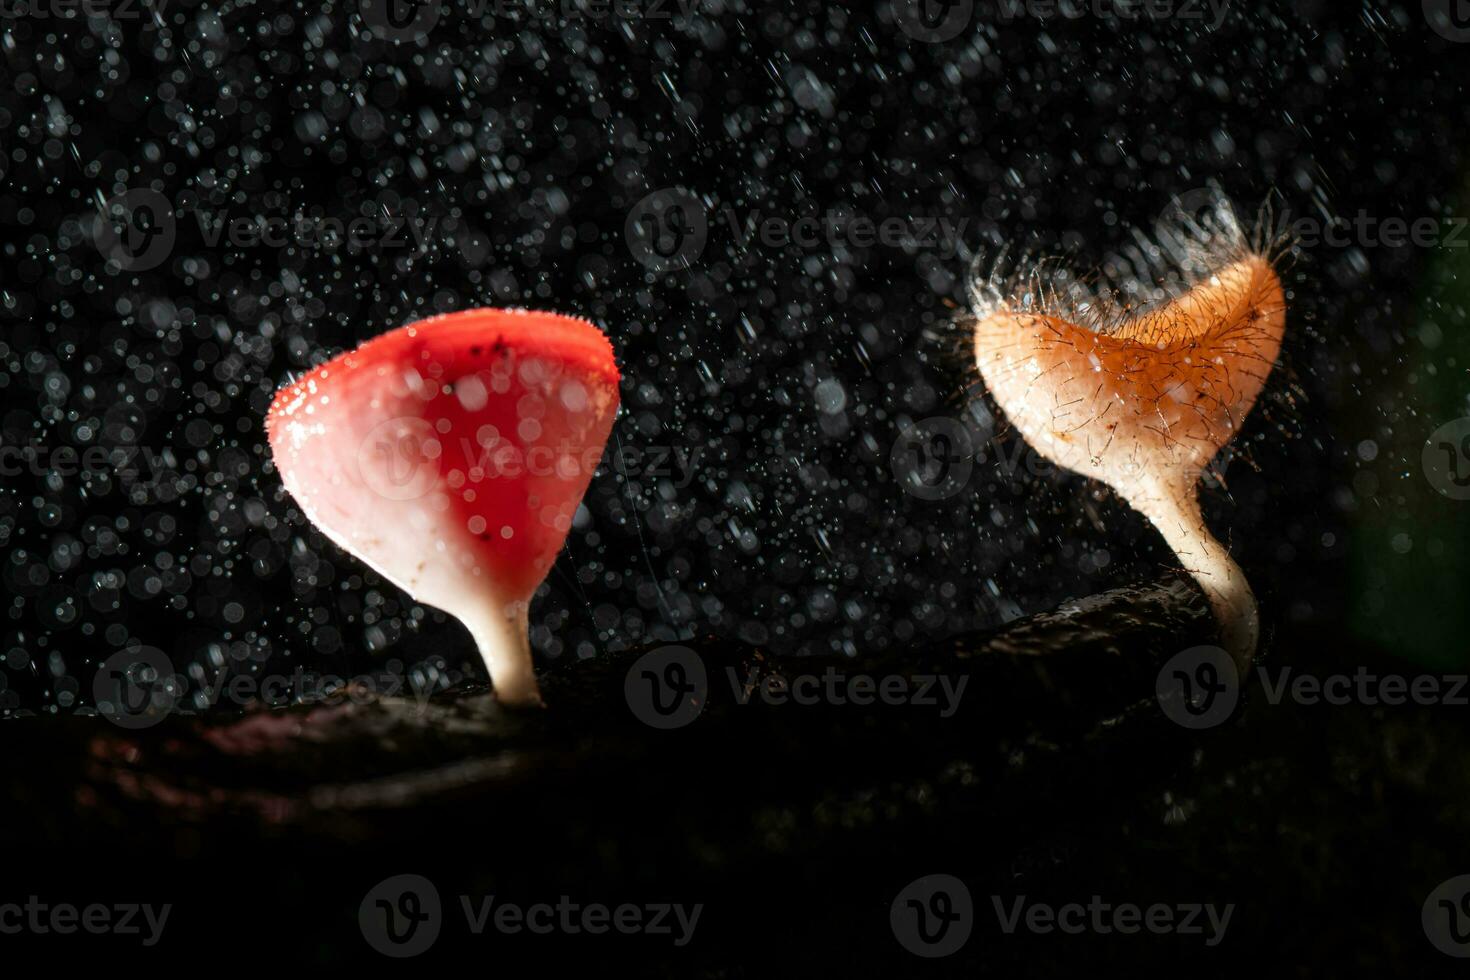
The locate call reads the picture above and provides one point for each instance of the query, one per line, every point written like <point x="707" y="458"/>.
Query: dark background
<point x="790" y="371"/>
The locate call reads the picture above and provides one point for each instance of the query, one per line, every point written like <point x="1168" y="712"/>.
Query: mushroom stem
<point x="1176" y="513"/>
<point x="501" y="630"/>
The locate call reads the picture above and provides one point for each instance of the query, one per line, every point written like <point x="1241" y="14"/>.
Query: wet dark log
<point x="794" y="826"/>
<point x="1079" y="672"/>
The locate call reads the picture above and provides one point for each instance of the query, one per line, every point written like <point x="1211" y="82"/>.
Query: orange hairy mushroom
<point x="1143" y="399"/>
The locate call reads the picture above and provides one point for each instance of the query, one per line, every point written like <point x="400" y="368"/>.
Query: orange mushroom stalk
<point x="1142" y="397"/>
<point x="451" y="455"/>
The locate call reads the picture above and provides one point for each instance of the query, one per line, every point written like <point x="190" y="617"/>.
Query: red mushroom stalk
<point x="451" y="455"/>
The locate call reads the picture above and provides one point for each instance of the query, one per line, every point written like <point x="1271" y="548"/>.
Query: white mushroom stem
<point x="501" y="630"/>
<point x="1176" y="513"/>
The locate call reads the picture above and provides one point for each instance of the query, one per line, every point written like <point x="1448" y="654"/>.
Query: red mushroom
<point x="450" y="455"/>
